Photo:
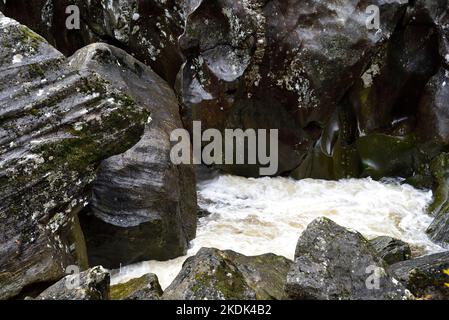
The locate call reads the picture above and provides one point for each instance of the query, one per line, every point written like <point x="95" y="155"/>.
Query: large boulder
<point x="144" y="206"/>
<point x="148" y="29"/>
<point x="57" y="125"/>
<point x="92" y="284"/>
<point x="391" y="250"/>
<point x="226" y="275"/>
<point x="277" y="65"/>
<point x="334" y="263"/>
<point x="146" y="287"/>
<point x="426" y="277"/>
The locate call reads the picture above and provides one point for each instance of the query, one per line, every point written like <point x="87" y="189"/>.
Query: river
<point x="256" y="216"/>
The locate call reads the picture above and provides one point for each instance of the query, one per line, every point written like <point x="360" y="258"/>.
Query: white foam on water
<point x="257" y="216"/>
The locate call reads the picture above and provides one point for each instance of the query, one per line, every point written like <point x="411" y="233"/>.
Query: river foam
<point x="256" y="216"/>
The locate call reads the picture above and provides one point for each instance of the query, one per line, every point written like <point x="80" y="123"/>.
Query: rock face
<point x="268" y="65"/>
<point x="144" y="207"/>
<point x="391" y="250"/>
<point x="56" y="125"/>
<point x="226" y="275"/>
<point x="144" y="288"/>
<point x="426" y="277"/>
<point x="148" y="29"/>
<point x="92" y="284"/>
<point x="333" y="263"/>
<point x="439" y="229"/>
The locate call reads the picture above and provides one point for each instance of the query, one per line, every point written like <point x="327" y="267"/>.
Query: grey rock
<point x="334" y="263"/>
<point x="391" y="250"/>
<point x="144" y="206"/>
<point x="56" y="126"/>
<point x="225" y="275"/>
<point x="146" y="287"/>
<point x="147" y="29"/>
<point x="426" y="277"/>
<point x="92" y="284"/>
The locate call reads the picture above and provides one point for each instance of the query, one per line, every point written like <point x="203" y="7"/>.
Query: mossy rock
<point x="146" y="287"/>
<point x="227" y="275"/>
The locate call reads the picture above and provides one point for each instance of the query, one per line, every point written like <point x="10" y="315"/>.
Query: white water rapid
<point x="256" y="216"/>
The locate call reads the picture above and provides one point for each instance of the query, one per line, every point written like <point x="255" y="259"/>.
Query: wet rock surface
<point x="348" y="101"/>
<point x="269" y="65"/>
<point x="226" y="275"/>
<point x="334" y="263"/>
<point x="92" y="284"/>
<point x="57" y="125"/>
<point x="144" y="207"/>
<point x="426" y="277"/>
<point x="148" y="29"/>
<point x="146" y="287"/>
<point x="391" y="250"/>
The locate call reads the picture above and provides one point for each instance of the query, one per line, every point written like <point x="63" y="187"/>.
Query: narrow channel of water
<point x="256" y="216"/>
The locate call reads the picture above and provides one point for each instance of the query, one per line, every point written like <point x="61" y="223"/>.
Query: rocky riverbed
<point x="86" y="178"/>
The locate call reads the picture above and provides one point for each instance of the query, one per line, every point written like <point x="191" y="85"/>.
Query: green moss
<point x="29" y="37"/>
<point x="123" y="290"/>
<point x="387" y="156"/>
<point x="35" y="71"/>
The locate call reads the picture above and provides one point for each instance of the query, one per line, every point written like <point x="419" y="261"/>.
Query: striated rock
<point x="391" y="250"/>
<point x="56" y="126"/>
<point x="144" y="288"/>
<point x="226" y="275"/>
<point x="92" y="284"/>
<point x="144" y="207"/>
<point x="334" y="263"/>
<point x="148" y="29"/>
<point x="277" y="65"/>
<point x="426" y="277"/>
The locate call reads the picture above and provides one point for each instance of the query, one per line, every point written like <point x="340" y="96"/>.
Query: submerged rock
<point x="144" y="206"/>
<point x="56" y="125"/>
<point x="391" y="250"/>
<point x="426" y="277"/>
<point x="334" y="263"/>
<point x="92" y="284"/>
<point x="146" y="287"/>
<point x="226" y="275"/>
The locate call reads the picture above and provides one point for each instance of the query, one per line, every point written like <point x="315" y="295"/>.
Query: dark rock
<point x="373" y="131"/>
<point x="144" y="207"/>
<point x="148" y="29"/>
<point x="426" y="277"/>
<point x="213" y="274"/>
<point x="334" y="263"/>
<point x="391" y="250"/>
<point x="92" y="284"/>
<point x="144" y="288"/>
<point x="56" y="126"/>
<point x="439" y="208"/>
<point x="269" y="65"/>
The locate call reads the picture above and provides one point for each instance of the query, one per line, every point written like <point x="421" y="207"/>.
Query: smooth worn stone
<point x="143" y="206"/>
<point x="56" y="126"/>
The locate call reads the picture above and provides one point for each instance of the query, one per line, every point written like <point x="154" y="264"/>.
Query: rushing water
<point x="256" y="216"/>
